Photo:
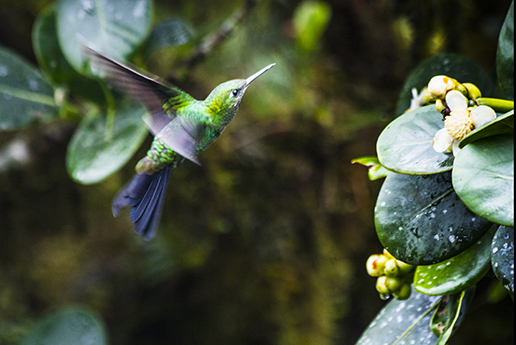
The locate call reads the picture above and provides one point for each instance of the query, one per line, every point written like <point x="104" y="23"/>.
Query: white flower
<point x="440" y="85"/>
<point x="460" y="122"/>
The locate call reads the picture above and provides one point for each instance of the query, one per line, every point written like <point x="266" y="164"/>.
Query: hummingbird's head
<point x="225" y="99"/>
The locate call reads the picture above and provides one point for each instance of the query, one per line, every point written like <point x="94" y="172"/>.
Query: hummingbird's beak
<point x="257" y="74"/>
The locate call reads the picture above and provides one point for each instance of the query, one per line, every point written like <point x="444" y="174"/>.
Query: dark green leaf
<point x="53" y="63"/>
<point x="503" y="124"/>
<point x="502" y="256"/>
<point x="421" y="221"/>
<point x="449" y="315"/>
<point x="505" y="55"/>
<point x="483" y="177"/>
<point x="115" y="28"/>
<point x="25" y="95"/>
<point x="403" y="322"/>
<point x="457" y="273"/>
<point x="95" y="152"/>
<point x="405" y="145"/>
<point x="170" y="33"/>
<point x="451" y="65"/>
<point x="69" y="326"/>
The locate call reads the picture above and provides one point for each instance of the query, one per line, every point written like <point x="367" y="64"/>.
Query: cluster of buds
<point x="394" y="276"/>
<point x="461" y="114"/>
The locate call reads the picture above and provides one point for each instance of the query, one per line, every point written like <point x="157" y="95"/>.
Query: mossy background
<point x="266" y="243"/>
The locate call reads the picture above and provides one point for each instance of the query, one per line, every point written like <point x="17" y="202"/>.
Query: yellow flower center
<point x="458" y="123"/>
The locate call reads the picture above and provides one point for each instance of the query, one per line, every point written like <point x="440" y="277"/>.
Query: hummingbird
<point x="182" y="126"/>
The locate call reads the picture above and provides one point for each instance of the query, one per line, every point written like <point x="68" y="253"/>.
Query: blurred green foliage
<point x="266" y="243"/>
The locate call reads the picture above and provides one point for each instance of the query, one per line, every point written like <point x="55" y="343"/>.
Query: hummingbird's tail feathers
<point x="145" y="194"/>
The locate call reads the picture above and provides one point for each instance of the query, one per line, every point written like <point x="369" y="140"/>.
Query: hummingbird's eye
<point x="234" y="93"/>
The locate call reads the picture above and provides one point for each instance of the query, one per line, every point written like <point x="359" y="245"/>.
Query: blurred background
<point x="265" y="243"/>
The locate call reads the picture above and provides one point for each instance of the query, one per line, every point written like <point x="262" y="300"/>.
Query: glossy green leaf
<point x="503" y="124"/>
<point x="403" y="322"/>
<point x="310" y="19"/>
<point x="405" y="145"/>
<point x="46" y="48"/>
<point x="169" y="33"/>
<point x="457" y="273"/>
<point x="421" y="221"/>
<point x="115" y="28"/>
<point x="95" y="151"/>
<point x="376" y="170"/>
<point x="25" y="95"/>
<point x="451" y="65"/>
<point x="502" y="256"/>
<point x="449" y="315"/>
<point x="53" y="63"/>
<point x="505" y="55"/>
<point x="483" y="177"/>
<point x="69" y="326"/>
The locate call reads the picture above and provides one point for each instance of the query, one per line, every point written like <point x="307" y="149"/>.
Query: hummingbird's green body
<point x="183" y="128"/>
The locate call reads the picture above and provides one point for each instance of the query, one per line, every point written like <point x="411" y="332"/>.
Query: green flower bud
<point x="393" y="284"/>
<point x="473" y="91"/>
<point x="391" y="268"/>
<point x="403" y="293"/>
<point x="375" y="265"/>
<point x="440" y="105"/>
<point x="462" y="89"/>
<point x="381" y="285"/>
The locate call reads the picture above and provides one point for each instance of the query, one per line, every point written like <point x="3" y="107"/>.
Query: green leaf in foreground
<point x="403" y="322"/>
<point x="502" y="256"/>
<point x="405" y="145"/>
<point x="69" y="326"/>
<point x="457" y="273"/>
<point x="95" y="152"/>
<point x="483" y="177"/>
<point x="451" y="65"/>
<point x="503" y="124"/>
<point x="449" y="315"/>
<point x="420" y="220"/>
<point x="505" y="55"/>
<point x="25" y="95"/>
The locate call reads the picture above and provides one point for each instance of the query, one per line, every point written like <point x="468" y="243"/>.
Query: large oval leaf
<point x="483" y="177"/>
<point x="69" y="326"/>
<point x="403" y="322"/>
<point x="95" y="152"/>
<point x="503" y="124"/>
<point x="457" y="273"/>
<point x="25" y="95"/>
<point x="169" y="33"/>
<point x="502" y="256"/>
<point x="452" y="65"/>
<point x="505" y="55"/>
<point x="405" y="145"/>
<point x="421" y="221"/>
<point x="115" y="28"/>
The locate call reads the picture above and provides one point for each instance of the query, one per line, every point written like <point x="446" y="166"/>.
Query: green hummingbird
<point x="183" y="127"/>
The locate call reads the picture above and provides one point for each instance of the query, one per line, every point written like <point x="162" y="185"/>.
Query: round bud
<point x="387" y="254"/>
<point x="473" y="91"/>
<point x="403" y="293"/>
<point x="391" y="268"/>
<point x="393" y="284"/>
<point x="381" y="285"/>
<point x="375" y="265"/>
<point x="440" y="105"/>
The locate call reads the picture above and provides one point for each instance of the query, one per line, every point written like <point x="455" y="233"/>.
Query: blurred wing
<point x="181" y="134"/>
<point x="148" y="89"/>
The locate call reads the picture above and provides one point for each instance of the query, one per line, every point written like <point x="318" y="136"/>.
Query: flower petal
<point x="456" y="100"/>
<point x="482" y="114"/>
<point x="455" y="147"/>
<point x="442" y="141"/>
<point x="439" y="85"/>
